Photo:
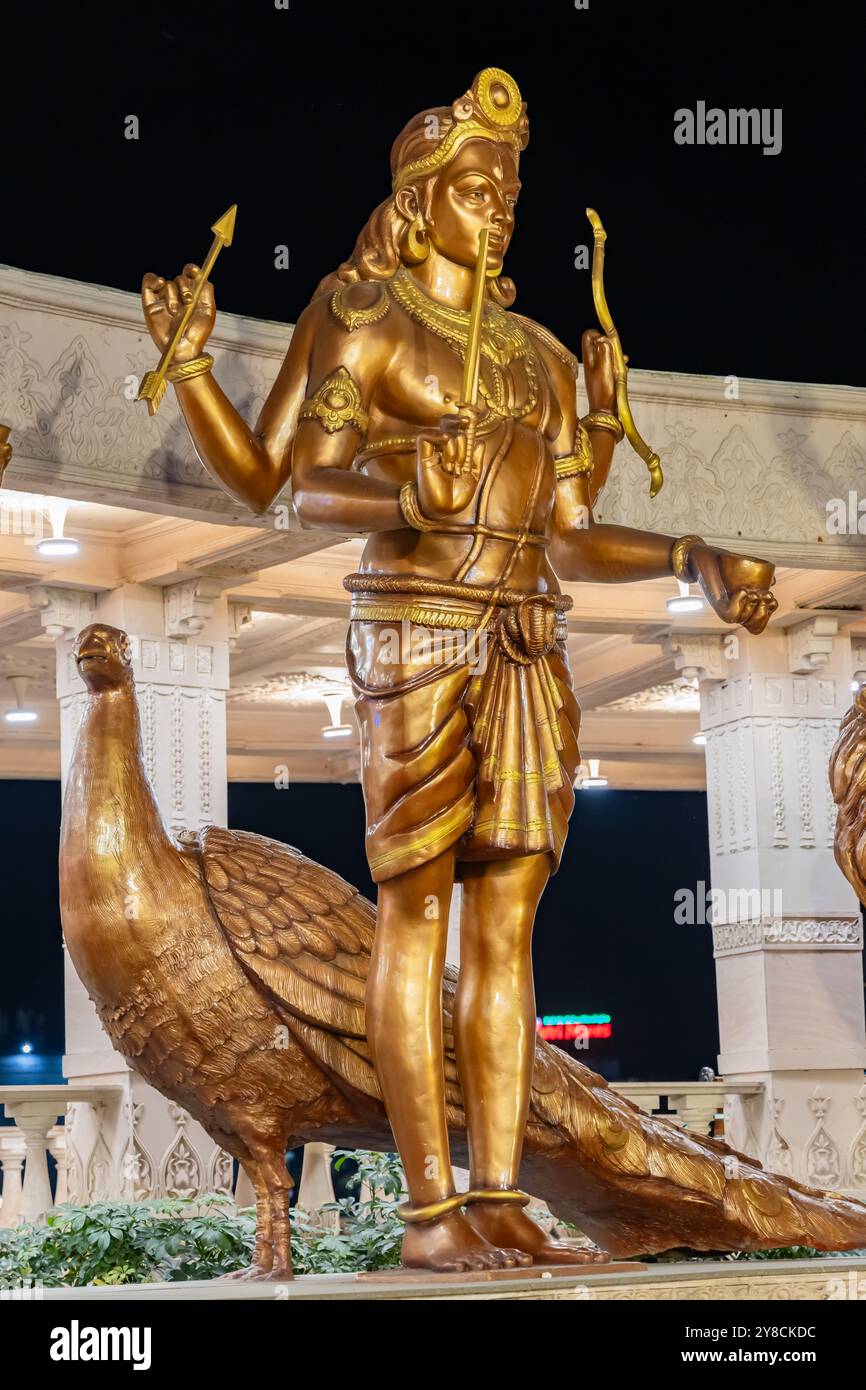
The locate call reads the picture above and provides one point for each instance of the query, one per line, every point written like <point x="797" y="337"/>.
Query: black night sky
<point x="720" y="260"/>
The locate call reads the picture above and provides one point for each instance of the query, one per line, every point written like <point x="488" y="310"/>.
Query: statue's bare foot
<point x="509" y="1225"/>
<point x="451" y="1246"/>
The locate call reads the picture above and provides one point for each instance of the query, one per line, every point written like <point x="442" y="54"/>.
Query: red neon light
<point x="564" y="1032"/>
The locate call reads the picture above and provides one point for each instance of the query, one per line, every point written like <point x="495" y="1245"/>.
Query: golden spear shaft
<point x="153" y="384"/>
<point x="472" y="362"/>
<point x="632" y="434"/>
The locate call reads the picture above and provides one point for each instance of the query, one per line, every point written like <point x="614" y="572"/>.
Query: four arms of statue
<point x="356" y="347"/>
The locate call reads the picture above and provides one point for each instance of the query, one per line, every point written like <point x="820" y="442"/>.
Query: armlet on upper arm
<point x="336" y="404"/>
<point x="580" y="458"/>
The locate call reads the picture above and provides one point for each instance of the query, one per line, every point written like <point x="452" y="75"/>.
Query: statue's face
<point x="477" y="189"/>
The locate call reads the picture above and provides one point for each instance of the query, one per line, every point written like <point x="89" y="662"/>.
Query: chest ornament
<point x="503" y="342"/>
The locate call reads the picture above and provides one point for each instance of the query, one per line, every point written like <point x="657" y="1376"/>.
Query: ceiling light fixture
<point x="335" y="708"/>
<point x="684" y="602"/>
<point x="20" y="714"/>
<point x="593" y="780"/>
<point x="57" y="545"/>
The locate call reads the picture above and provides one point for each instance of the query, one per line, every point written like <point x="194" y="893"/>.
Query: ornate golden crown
<point x="492" y="109"/>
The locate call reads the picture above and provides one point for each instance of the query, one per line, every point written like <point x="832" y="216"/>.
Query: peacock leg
<point x="278" y="1185"/>
<point x="263" y="1250"/>
<point x="494" y="1028"/>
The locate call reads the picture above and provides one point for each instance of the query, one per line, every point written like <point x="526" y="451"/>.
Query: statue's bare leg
<point x="495" y="1038"/>
<point x="404" y="1029"/>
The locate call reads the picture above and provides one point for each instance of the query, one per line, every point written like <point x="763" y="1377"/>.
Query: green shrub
<point x="179" y="1238"/>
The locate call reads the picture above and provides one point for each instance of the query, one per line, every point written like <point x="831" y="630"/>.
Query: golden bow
<point x="632" y="434"/>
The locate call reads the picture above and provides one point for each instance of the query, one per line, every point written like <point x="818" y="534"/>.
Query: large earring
<point x="416" y="243"/>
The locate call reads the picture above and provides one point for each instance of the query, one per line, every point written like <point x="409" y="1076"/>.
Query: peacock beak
<point x="88" y="655"/>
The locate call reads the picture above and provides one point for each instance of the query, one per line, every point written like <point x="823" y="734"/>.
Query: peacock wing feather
<point x="298" y="929"/>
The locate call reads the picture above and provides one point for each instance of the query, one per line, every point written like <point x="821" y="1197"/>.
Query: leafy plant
<point x="176" y="1239"/>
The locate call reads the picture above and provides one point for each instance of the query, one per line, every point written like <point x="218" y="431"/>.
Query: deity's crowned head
<point x="491" y="110"/>
<point x="454" y="170"/>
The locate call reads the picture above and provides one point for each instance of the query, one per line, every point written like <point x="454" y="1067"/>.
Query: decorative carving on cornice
<point x="697" y="656"/>
<point x="762" y="482"/>
<point x="822" y="932"/>
<point x="810" y="645"/>
<point x="188" y="606"/>
<point x="63" y="612"/>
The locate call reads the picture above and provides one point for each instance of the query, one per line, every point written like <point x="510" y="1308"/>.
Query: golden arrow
<point x="630" y="429"/>
<point x="472" y="360"/>
<point x="153" y="384"/>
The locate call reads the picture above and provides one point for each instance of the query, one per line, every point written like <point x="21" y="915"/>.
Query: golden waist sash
<point x="422" y="587"/>
<point x="527" y="625"/>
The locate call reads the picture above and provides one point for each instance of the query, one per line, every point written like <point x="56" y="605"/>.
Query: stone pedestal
<point x="787" y="930"/>
<point x="138" y="1145"/>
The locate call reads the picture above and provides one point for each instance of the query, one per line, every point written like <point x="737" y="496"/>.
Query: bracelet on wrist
<point x="185" y="371"/>
<point x="604" y="420"/>
<point x="680" y="557"/>
<point x="412" y="513"/>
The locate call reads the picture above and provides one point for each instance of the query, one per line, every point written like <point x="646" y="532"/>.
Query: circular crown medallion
<point x="498" y="95"/>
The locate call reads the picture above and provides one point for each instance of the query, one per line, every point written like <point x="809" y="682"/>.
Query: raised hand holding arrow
<point x="153" y="383"/>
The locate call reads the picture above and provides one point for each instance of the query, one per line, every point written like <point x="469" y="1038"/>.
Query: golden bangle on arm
<point x="185" y="371"/>
<point x="604" y="420"/>
<point x="680" y="553"/>
<point x="411" y="511"/>
<point x="580" y="461"/>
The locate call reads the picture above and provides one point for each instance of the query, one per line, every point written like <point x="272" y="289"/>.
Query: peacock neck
<point x="109" y="806"/>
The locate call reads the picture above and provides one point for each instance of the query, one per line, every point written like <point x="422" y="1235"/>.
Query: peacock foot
<point x="508" y="1225"/>
<point x="258" y="1274"/>
<point x="451" y="1246"/>
<point x="247" y="1274"/>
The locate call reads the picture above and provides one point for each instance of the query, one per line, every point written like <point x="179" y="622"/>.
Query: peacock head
<point x="103" y="656"/>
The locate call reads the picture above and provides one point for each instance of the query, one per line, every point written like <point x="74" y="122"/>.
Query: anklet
<point x="432" y="1211"/>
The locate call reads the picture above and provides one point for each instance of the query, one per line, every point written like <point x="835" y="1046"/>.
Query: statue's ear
<point x="406" y="203"/>
<point x="126" y="650"/>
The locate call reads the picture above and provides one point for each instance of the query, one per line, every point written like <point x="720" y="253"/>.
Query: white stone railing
<point x="26" y="1144"/>
<point x="693" y="1104"/>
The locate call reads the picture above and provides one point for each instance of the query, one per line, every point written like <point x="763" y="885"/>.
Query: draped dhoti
<point x="468" y="739"/>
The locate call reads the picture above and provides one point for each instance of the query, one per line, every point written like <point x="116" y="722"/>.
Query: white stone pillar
<point x="34" y="1119"/>
<point x="786" y="926"/>
<point x="316" y="1188"/>
<point x="57" y="1149"/>
<point x="12" y="1151"/>
<point x="140" y="1145"/>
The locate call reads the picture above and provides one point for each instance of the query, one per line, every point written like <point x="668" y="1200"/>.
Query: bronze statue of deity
<point x="474" y="504"/>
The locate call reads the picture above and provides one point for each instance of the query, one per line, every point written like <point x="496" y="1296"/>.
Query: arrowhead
<point x="225" y="228"/>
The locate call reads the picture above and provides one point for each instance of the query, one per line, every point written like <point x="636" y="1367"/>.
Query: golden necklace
<point x="503" y="341"/>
